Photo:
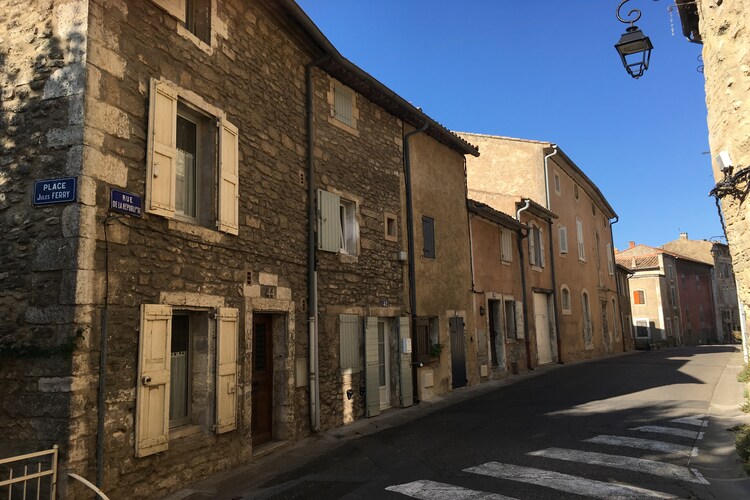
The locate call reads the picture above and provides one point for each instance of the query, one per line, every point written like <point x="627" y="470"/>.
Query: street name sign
<point x="125" y="203"/>
<point x="49" y="191"/>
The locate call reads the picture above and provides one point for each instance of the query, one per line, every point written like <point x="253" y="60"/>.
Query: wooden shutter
<point x="532" y="245"/>
<point x="581" y="246"/>
<point x="162" y="149"/>
<point x="563" y="239"/>
<point x="152" y="393"/>
<point x="610" y="263"/>
<point x="349" y="342"/>
<point x="329" y="221"/>
<point x="407" y="393"/>
<point x="372" y="369"/>
<point x="175" y="8"/>
<point x="428" y="232"/>
<point x="227" y="330"/>
<point x="518" y="312"/>
<point x="229" y="178"/>
<point x="541" y="247"/>
<point x="343" y="104"/>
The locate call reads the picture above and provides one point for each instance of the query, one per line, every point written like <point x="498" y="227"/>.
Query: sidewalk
<point x="717" y="459"/>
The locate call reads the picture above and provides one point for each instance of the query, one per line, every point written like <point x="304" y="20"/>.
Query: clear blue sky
<point x="547" y="70"/>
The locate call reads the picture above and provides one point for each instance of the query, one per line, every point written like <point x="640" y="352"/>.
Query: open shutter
<point x="329" y="221"/>
<point x="226" y="372"/>
<point x="175" y="8"/>
<point x="532" y="246"/>
<point x="541" y="247"/>
<point x="349" y="343"/>
<point x="229" y="182"/>
<point x="152" y="393"/>
<point x="162" y="148"/>
<point x="404" y="333"/>
<point x="372" y="371"/>
<point x="518" y="312"/>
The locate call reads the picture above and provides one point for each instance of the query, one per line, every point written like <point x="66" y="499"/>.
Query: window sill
<point x="346" y="258"/>
<point x="186" y="34"/>
<point x="537" y="268"/>
<point x="589" y="347"/>
<point x="343" y="126"/>
<point x="184" y="431"/>
<point x="506" y="262"/>
<point x="567" y="312"/>
<point x="206" y="234"/>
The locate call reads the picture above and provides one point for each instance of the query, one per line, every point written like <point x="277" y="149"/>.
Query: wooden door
<point x="262" y="386"/>
<point x="541" y="324"/>
<point x="458" y="351"/>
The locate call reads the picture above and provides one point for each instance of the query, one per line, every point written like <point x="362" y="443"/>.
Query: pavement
<point x="717" y="461"/>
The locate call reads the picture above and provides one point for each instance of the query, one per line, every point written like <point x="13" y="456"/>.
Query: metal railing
<point x="30" y="483"/>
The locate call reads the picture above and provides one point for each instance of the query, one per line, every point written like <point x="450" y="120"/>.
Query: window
<point x="511" y="324"/>
<point x="670" y="271"/>
<point x="557" y="183"/>
<point x="426" y="336"/>
<point x="575" y="192"/>
<point x="673" y="296"/>
<point x="642" y="328"/>
<point x="428" y="233"/>
<point x="343" y="105"/>
<point x="563" y="237"/>
<point x="565" y="300"/>
<point x="610" y="261"/>
<point x="194" y="16"/>
<point x="174" y="369"/>
<point x="190" y="163"/>
<point x="506" y="245"/>
<point x="588" y="330"/>
<point x="581" y="246"/>
<point x="596" y="249"/>
<point x="536" y="246"/>
<point x="338" y="230"/>
<point x="639" y="297"/>
<point x="391" y="227"/>
<point x="697" y="282"/>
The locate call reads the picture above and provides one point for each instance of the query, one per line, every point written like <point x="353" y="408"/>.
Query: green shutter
<point x="407" y="393"/>
<point x="372" y="372"/>
<point x="329" y="221"/>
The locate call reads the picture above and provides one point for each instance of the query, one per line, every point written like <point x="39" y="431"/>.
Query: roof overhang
<point x="493" y="215"/>
<point x="690" y="19"/>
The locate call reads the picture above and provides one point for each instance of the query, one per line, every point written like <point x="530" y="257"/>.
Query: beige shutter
<point x="175" y="8"/>
<point x="532" y="245"/>
<point x="162" y="149"/>
<point x="518" y="311"/>
<point x="229" y="182"/>
<point x="349" y="343"/>
<point x="227" y="329"/>
<point x="329" y="221"/>
<point x="541" y="247"/>
<point x="372" y="369"/>
<point x="407" y="392"/>
<point x="152" y="393"/>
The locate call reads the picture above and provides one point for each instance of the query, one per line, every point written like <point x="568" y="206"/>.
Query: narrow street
<point x="633" y="426"/>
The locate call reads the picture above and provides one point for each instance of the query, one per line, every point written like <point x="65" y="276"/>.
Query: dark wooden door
<point x="458" y="352"/>
<point x="262" y="387"/>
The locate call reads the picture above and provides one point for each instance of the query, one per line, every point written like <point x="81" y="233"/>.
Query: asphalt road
<point x="632" y="426"/>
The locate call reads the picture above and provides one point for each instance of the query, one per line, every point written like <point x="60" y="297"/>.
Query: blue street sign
<point x="49" y="191"/>
<point x="125" y="203"/>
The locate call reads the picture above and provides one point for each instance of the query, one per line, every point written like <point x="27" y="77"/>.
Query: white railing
<point x="39" y="469"/>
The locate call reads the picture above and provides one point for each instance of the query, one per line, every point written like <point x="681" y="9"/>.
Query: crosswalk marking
<point x="432" y="490"/>
<point x="652" y="467"/>
<point x="564" y="482"/>
<point x="644" y="444"/>
<point x="697" y="420"/>
<point x="669" y="430"/>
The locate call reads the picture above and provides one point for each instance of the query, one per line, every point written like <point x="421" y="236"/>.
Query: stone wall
<point x="726" y="57"/>
<point x="42" y="75"/>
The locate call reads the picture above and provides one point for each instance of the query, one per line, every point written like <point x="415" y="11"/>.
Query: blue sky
<point x="547" y="70"/>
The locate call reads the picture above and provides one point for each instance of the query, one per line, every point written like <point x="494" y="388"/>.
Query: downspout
<point x="312" y="288"/>
<point x="468" y="219"/>
<point x="411" y="261"/>
<point x="524" y="298"/>
<point x="546" y="174"/>
<point x="614" y="264"/>
<point x="554" y="290"/>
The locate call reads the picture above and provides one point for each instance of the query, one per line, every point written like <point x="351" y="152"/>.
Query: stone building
<point x="582" y="295"/>
<point x="721" y="27"/>
<point x="223" y="270"/>
<point x="623" y="299"/>
<point x="724" y="289"/>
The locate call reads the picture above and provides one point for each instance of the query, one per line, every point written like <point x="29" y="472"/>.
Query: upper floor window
<point x="581" y="246"/>
<point x="506" y="245"/>
<point x="562" y="232"/>
<point x="639" y="297"/>
<point x="557" y="183"/>
<point x="565" y="300"/>
<point x="338" y="229"/>
<point x="610" y="261"/>
<point x="191" y="164"/>
<point x="428" y="233"/>
<point x="343" y="105"/>
<point x="195" y="16"/>
<point x="536" y="246"/>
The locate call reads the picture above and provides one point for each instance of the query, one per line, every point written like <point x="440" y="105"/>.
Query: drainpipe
<point x="312" y="277"/>
<point x="554" y="287"/>
<point x="614" y="264"/>
<point x="524" y="298"/>
<point x="546" y="174"/>
<point x="411" y="261"/>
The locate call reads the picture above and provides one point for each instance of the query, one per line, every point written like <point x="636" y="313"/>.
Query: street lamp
<point x="634" y="47"/>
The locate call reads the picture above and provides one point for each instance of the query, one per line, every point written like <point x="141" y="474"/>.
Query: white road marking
<point x="697" y="420"/>
<point x="564" y="482"/>
<point x="669" y="430"/>
<point x="431" y="490"/>
<point x="652" y="467"/>
<point x="699" y="475"/>
<point x="644" y="444"/>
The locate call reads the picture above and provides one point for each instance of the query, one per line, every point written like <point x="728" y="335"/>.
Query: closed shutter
<point x="610" y="263"/>
<point x="329" y="221"/>
<point x="349" y="342"/>
<point x="518" y="312"/>
<point x="541" y="248"/>
<point x="227" y="330"/>
<point x="372" y="368"/>
<point x="343" y="104"/>
<point x="428" y="231"/>
<point x="175" y="8"/>
<point x="407" y="394"/>
<point x="581" y="247"/>
<point x="229" y="182"/>
<point x="506" y="245"/>
<point x="162" y="149"/>
<point x="563" y="239"/>
<point x="152" y="393"/>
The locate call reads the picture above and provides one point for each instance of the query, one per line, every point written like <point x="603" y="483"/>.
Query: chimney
<point x="683" y="236"/>
<point x="631" y="244"/>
